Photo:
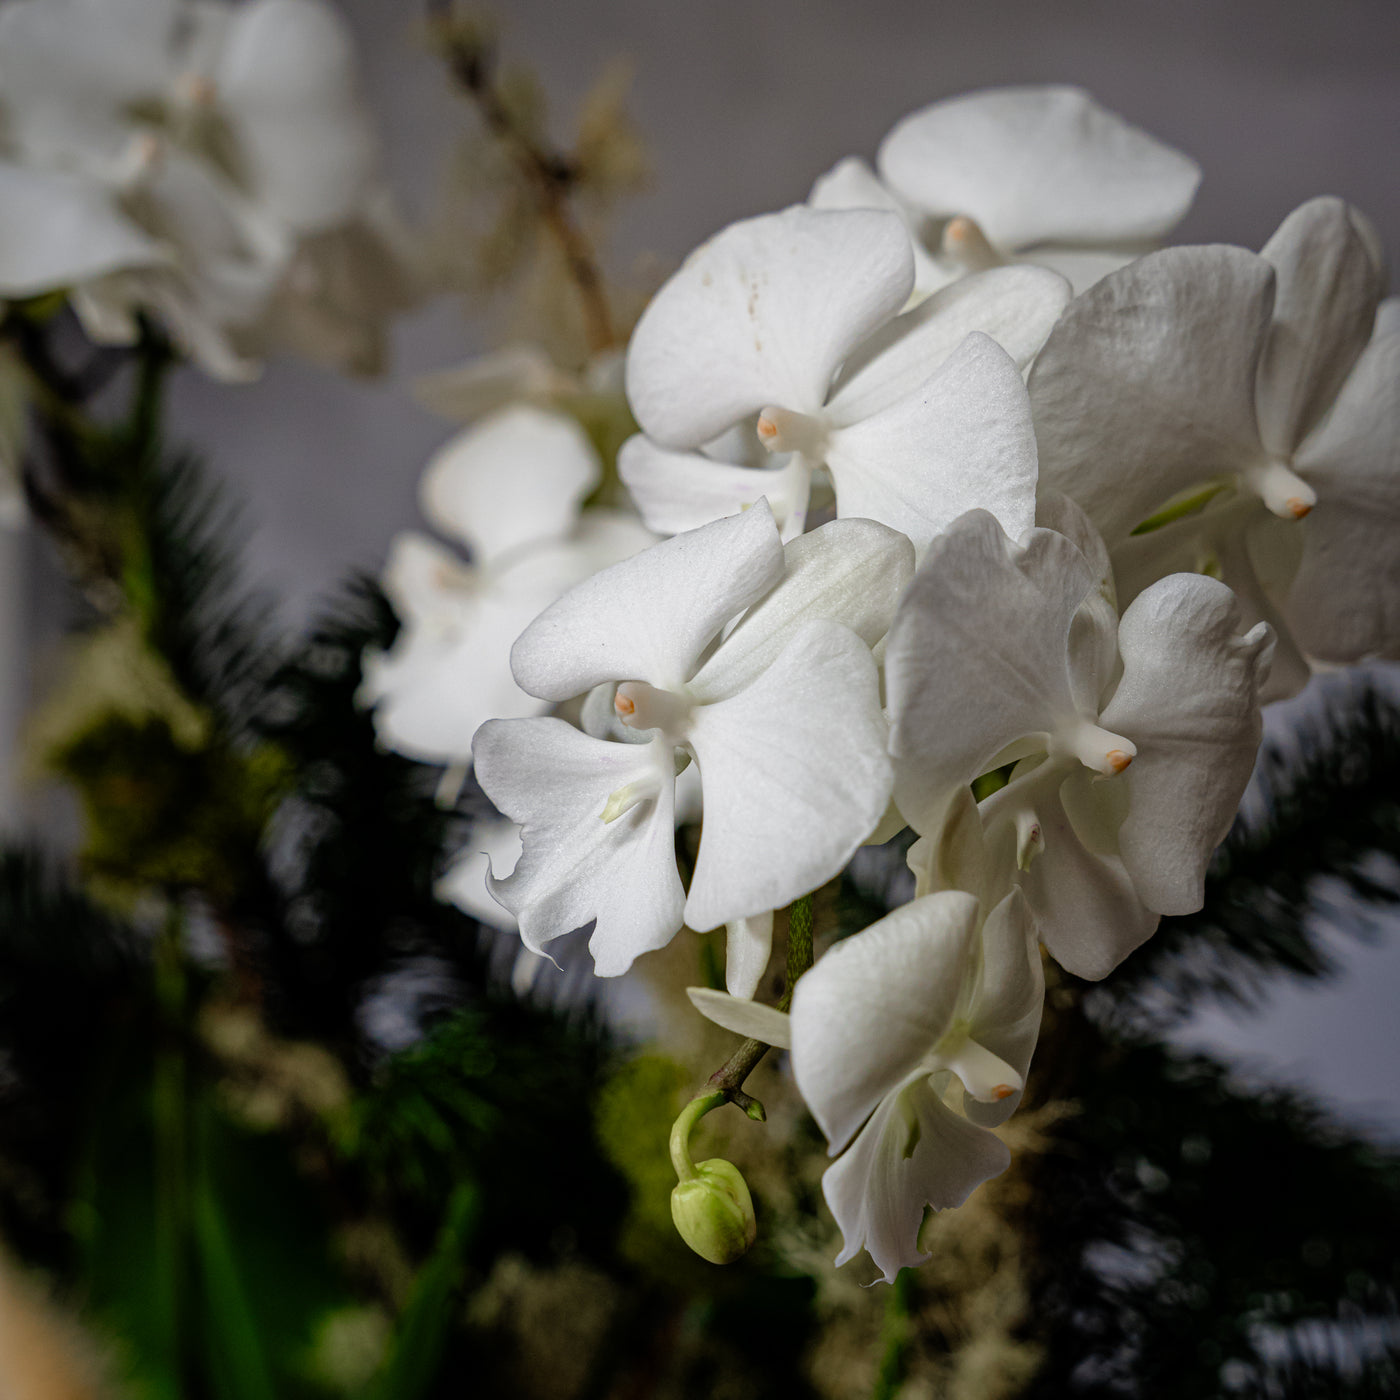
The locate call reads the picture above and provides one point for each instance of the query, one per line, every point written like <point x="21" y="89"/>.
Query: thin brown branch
<point x="550" y="174"/>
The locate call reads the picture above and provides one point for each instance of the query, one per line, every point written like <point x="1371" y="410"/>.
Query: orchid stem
<point x="681" y="1129"/>
<point x="729" y="1078"/>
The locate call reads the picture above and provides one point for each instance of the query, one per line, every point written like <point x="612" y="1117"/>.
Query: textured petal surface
<point x="1146" y="385"/>
<point x="1345" y="600"/>
<point x="914" y="1152"/>
<point x="742" y="1016"/>
<point x="1189" y="701"/>
<point x="848" y="571"/>
<point x="794" y="773"/>
<point x="748" y="945"/>
<point x="494" y="847"/>
<point x="575" y="867"/>
<point x="962" y="440"/>
<point x="1015" y="306"/>
<point x="978" y="656"/>
<point x="876" y="1005"/>
<point x="1329" y="287"/>
<point x="650" y="617"/>
<point x="678" y="491"/>
<point x="58" y="229"/>
<point x="763" y="314"/>
<point x="1038" y="164"/>
<point x="515" y="477"/>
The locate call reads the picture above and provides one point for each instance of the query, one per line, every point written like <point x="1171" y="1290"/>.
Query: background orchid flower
<point x="909" y="1041"/>
<point x="789" y="320"/>
<point x="231" y="136"/>
<point x="782" y="718"/>
<point x="1041" y="173"/>
<point x="1133" y="740"/>
<point x="1250" y="402"/>
<point x="510" y="489"/>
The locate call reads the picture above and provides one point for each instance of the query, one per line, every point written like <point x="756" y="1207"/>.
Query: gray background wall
<point x="743" y="104"/>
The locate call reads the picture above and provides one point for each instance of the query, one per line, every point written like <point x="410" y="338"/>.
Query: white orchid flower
<point x="1254" y="398"/>
<point x="510" y="490"/>
<point x="226" y="136"/>
<point x="782" y="718"/>
<point x="1133" y="740"/>
<point x="789" y="321"/>
<point x="1041" y="174"/>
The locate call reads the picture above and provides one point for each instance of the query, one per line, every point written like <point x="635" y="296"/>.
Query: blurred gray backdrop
<point x="743" y="103"/>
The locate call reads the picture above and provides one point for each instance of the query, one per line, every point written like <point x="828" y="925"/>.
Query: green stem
<point x="681" y="1129"/>
<point x="895" y="1336"/>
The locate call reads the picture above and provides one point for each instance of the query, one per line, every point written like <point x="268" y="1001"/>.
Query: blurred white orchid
<point x="1033" y="174"/>
<point x="789" y="321"/>
<point x="510" y="489"/>
<point x="195" y="159"/>
<point x="1235" y="395"/>
<point x="1133" y="740"/>
<point x="782" y="717"/>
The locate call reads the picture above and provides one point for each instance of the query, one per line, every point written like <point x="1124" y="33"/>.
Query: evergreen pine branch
<point x="1319" y="834"/>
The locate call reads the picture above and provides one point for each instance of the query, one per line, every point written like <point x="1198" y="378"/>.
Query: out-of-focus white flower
<point x="211" y="146"/>
<point x="1133" y="740"/>
<point x="1254" y="398"/>
<point x="789" y="322"/>
<point x="510" y="489"/>
<point x="1035" y="174"/>
<point x="783" y="719"/>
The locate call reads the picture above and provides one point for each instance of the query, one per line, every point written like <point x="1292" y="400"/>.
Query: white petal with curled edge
<point x="58" y="229"/>
<point x="1038" y="164"/>
<point x="962" y="440"/>
<point x="852" y="184"/>
<point x="650" y="617"/>
<point x="575" y="867"/>
<point x="747" y="947"/>
<point x="914" y="1152"/>
<point x="286" y="81"/>
<point x="677" y="491"/>
<point x="1328" y="290"/>
<point x="1010" y="997"/>
<point x="977" y="656"/>
<point x="513" y="478"/>
<point x="494" y="847"/>
<point x="1084" y="903"/>
<point x="872" y="1009"/>
<point x="794" y="773"/>
<point x="1146" y="385"/>
<point x="763" y="314"/>
<point x="743" y="1016"/>
<point x="1189" y="700"/>
<point x="1015" y="306"/>
<point x="1345" y="600"/>
<point x="848" y="571"/>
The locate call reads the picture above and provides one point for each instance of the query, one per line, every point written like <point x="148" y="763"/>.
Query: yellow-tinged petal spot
<point x="624" y="705"/>
<point x="1118" y="760"/>
<point x="1281" y="489"/>
<point x="1002" y="1091"/>
<point x="628" y="796"/>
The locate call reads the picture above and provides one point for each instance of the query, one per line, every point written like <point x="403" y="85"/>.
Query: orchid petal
<point x="1016" y="306"/>
<point x="494" y="848"/>
<point x="516" y="477"/>
<point x="747" y="949"/>
<point x="794" y="773"/>
<point x="871" y="1011"/>
<point x="977" y="656"/>
<point x="1189" y="700"/>
<point x="1146" y="385"/>
<point x="1345" y="600"/>
<point x="744" y="1017"/>
<point x="650" y="617"/>
<point x="1328" y="291"/>
<point x="914" y="1152"/>
<point x="1035" y="165"/>
<point x="575" y="867"/>
<point x="1083" y="267"/>
<point x="678" y="491"/>
<point x="962" y="440"/>
<point x="848" y="571"/>
<point x="762" y="314"/>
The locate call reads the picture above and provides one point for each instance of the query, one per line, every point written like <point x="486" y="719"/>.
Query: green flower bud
<point x="713" y="1212"/>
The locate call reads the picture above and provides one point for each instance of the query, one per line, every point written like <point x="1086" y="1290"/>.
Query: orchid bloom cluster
<point x="935" y="523"/>
<point x="205" y="163"/>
